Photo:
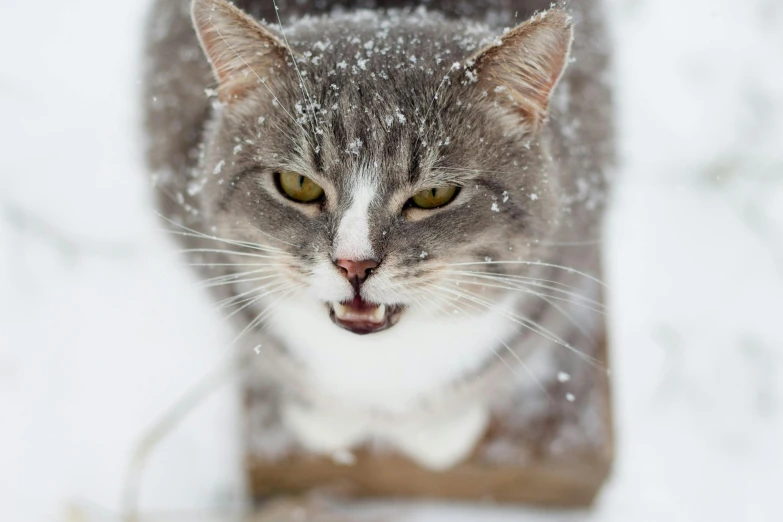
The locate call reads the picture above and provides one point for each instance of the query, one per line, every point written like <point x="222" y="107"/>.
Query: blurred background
<point x="102" y="329"/>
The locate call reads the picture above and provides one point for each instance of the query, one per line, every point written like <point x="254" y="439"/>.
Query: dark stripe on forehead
<point x="339" y="132"/>
<point x="393" y="144"/>
<point x="414" y="162"/>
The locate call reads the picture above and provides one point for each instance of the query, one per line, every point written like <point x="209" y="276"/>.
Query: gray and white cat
<point x="398" y="203"/>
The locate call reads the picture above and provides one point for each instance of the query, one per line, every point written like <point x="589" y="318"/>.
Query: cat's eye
<point x="299" y="188"/>
<point x="435" y="197"/>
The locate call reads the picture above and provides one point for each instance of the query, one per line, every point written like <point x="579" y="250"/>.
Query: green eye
<point x="299" y="188"/>
<point x="434" y="197"/>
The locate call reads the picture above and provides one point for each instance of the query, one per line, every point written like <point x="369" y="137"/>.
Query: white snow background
<point x="102" y="329"/>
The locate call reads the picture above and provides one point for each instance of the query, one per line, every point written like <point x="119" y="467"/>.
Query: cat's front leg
<point x="439" y="442"/>
<point x="324" y="430"/>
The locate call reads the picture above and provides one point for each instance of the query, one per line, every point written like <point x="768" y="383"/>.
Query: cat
<point x="398" y="202"/>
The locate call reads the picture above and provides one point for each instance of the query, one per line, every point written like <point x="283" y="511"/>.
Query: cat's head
<point x="373" y="159"/>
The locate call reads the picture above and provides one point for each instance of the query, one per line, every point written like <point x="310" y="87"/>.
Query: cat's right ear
<point x="242" y="52"/>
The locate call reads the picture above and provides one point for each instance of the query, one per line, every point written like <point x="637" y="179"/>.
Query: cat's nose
<point x="356" y="271"/>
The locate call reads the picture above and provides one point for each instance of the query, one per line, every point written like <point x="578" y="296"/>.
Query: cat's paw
<point x="324" y="431"/>
<point x="441" y="442"/>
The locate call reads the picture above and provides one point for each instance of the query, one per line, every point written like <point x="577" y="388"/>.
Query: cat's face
<point x="406" y="157"/>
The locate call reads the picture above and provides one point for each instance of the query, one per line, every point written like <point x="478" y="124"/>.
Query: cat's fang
<point x="380" y="314"/>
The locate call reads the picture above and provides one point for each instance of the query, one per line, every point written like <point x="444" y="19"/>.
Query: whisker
<point x="260" y="317"/>
<point x="503" y="283"/>
<point x="530" y="291"/>
<point x="231" y="264"/>
<point x="587" y="242"/>
<point x="532" y="280"/>
<point x="267" y="234"/>
<point x="251" y="280"/>
<point x="528" y="282"/>
<point x="234" y="276"/>
<point x="228" y="252"/>
<point x="244" y="244"/>
<point x="533" y="263"/>
<point x="195" y="233"/>
<point x="549" y="300"/>
<point x="232" y="300"/>
<point x="302" y="85"/>
<point x="526" y="323"/>
<point x="523" y="321"/>
<point x="251" y="301"/>
<point x="579" y="326"/>
<point x="528" y="371"/>
<point x="502" y="359"/>
<point x="436" y="304"/>
<point x="446" y="77"/>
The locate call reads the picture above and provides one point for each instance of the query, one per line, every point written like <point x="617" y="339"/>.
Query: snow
<point x="219" y="167"/>
<point x="102" y="329"/>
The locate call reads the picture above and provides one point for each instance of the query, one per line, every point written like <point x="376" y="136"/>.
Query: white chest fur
<point x="372" y="386"/>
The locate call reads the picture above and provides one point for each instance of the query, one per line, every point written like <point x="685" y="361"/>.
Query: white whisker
<point x="522" y="321"/>
<point x="532" y="280"/>
<point x="527" y="370"/>
<point x="230" y="264"/>
<point x="234" y="276"/>
<point x="232" y="300"/>
<point x="267" y="234"/>
<point x="532" y="263"/>
<point x="228" y="252"/>
<point x="261" y="316"/>
<point x="526" y="290"/>
<point x="302" y="85"/>
<point x="500" y="357"/>
<point x="252" y="300"/>
<point x="189" y="232"/>
<point x="239" y="281"/>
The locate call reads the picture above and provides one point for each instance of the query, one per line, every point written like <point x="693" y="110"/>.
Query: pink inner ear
<point x="241" y="51"/>
<point x="529" y="63"/>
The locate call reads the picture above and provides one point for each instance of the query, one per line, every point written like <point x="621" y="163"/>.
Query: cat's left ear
<point x="523" y="69"/>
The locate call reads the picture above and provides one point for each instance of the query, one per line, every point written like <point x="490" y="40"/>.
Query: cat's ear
<point x="523" y="68"/>
<point x="242" y="52"/>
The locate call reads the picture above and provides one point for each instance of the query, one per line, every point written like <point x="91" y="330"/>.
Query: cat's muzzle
<point x="360" y="317"/>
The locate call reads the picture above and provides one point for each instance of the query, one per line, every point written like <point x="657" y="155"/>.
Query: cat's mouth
<point x="360" y="317"/>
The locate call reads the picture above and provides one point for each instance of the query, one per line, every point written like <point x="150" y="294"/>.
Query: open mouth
<point x="361" y="317"/>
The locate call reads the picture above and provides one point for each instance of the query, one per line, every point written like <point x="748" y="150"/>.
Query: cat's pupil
<point x="301" y="182"/>
<point x="434" y="193"/>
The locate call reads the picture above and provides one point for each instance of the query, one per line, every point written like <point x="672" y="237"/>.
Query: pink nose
<point x="356" y="271"/>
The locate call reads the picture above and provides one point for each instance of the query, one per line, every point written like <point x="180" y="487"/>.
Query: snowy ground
<point x="101" y="330"/>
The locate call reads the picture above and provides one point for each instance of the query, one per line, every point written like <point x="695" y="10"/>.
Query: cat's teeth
<point x="346" y="313"/>
<point x="380" y="314"/>
<point x="340" y="310"/>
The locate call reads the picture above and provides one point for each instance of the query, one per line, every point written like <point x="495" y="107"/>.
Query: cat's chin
<point x="362" y="318"/>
